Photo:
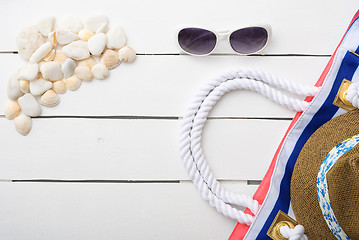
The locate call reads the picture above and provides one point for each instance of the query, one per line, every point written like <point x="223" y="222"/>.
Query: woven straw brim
<point x="343" y="179"/>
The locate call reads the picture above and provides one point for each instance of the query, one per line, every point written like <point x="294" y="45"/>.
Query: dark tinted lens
<point x="249" y="40"/>
<point x="196" y="40"/>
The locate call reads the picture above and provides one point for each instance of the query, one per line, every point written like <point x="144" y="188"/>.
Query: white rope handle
<point x="193" y="122"/>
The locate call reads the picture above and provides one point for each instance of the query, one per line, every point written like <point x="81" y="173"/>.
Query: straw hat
<point x="328" y="168"/>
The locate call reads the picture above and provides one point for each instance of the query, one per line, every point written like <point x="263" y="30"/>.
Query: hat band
<point x="322" y="185"/>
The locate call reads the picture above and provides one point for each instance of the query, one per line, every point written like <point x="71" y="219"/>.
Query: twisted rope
<point x="296" y="233"/>
<point x="193" y="122"/>
<point x="353" y="94"/>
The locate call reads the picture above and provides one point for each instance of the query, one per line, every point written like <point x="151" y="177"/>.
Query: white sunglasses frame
<point x="224" y="35"/>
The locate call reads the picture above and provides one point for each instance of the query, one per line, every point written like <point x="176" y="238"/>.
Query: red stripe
<point x="240" y="230"/>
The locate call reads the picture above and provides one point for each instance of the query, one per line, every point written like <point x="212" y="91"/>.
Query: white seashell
<point x="13" y="88"/>
<point x="29" y="105"/>
<point x="23" y="124"/>
<point x="11" y="110"/>
<point x="100" y="71"/>
<point x="116" y="37"/>
<point x="24" y="86"/>
<point x="85" y="34"/>
<point x="97" y="43"/>
<point x="28" y="40"/>
<point x="83" y="73"/>
<point x="29" y="71"/>
<point x="73" y="83"/>
<point x="77" y="50"/>
<point x="59" y="87"/>
<point x="68" y="67"/>
<point x="103" y="28"/>
<point x="39" y="86"/>
<point x="64" y="36"/>
<point x="50" y="99"/>
<point x="60" y="56"/>
<point x="70" y="23"/>
<point x="50" y="56"/>
<point x="94" y="22"/>
<point x="90" y="62"/>
<point x="41" y="52"/>
<point x="52" y="38"/>
<point x="51" y="71"/>
<point x="110" y="59"/>
<point x="127" y="54"/>
<point x="45" y="25"/>
<point x="40" y="64"/>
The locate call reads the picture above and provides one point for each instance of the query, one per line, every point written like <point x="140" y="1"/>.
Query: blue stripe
<point x="324" y="114"/>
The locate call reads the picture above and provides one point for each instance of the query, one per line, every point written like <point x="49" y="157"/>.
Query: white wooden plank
<point x="298" y="26"/>
<point x="45" y="211"/>
<point x="165" y="86"/>
<point x="134" y="149"/>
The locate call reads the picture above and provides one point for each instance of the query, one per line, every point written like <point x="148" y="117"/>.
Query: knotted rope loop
<point x="353" y="94"/>
<point x="296" y="233"/>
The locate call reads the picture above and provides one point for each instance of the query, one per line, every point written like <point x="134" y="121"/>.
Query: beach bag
<point x="269" y="213"/>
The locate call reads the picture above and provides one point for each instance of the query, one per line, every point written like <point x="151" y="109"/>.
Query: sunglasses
<point x="202" y="42"/>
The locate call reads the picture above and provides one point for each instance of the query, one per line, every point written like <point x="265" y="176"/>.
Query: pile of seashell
<point x="61" y="55"/>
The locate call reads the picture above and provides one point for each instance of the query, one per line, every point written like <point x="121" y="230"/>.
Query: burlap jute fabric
<point x="343" y="180"/>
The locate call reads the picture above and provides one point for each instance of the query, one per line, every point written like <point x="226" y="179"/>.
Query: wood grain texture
<point x="42" y="211"/>
<point x="160" y="84"/>
<point x="134" y="149"/>
<point x="166" y="85"/>
<point x="298" y="26"/>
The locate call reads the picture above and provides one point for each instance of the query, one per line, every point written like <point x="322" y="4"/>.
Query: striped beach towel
<point x="274" y="191"/>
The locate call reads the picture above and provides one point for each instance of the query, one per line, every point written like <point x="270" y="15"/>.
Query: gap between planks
<point x="220" y="54"/>
<point x="247" y="182"/>
<point x="234" y="54"/>
<point x="158" y="117"/>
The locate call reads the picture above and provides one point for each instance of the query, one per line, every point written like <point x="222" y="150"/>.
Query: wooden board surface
<point x="57" y="211"/>
<point x="298" y="26"/>
<point x="105" y="164"/>
<point x="134" y="149"/>
<point x="165" y="86"/>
